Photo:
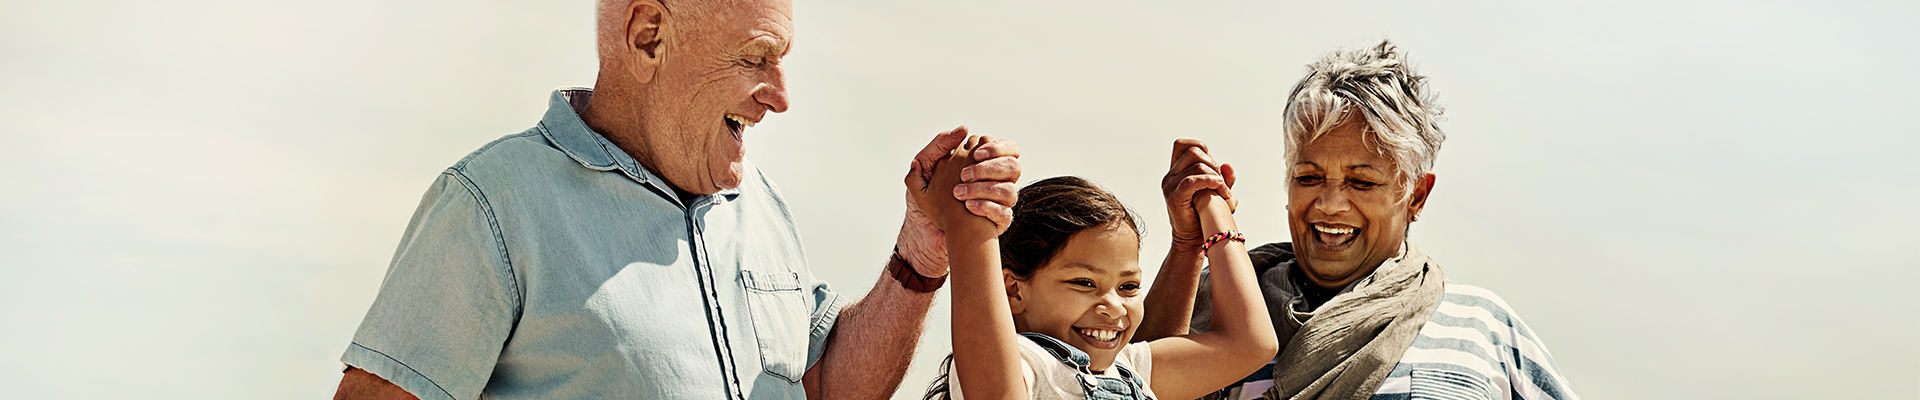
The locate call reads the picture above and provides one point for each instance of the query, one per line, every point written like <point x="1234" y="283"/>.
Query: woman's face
<point x="1088" y="295"/>
<point x="1345" y="207"/>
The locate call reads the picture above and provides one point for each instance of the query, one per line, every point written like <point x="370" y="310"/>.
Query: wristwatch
<point x="909" y="278"/>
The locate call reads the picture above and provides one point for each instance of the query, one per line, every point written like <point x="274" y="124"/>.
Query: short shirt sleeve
<point x="448" y="302"/>
<point x="826" y="312"/>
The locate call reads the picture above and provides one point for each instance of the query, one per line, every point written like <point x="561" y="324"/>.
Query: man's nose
<point x="773" y="92"/>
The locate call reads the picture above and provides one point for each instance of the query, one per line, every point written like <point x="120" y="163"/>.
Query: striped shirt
<point x="1472" y="347"/>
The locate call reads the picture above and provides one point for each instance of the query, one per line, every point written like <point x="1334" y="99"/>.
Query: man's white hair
<point x="1377" y="83"/>
<point x="609" y="29"/>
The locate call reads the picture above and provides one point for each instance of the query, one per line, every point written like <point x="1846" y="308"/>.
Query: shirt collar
<point x="563" y="127"/>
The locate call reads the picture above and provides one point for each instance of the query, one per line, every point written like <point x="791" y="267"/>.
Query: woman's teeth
<point x="1332" y="230"/>
<point x="1099" y="334"/>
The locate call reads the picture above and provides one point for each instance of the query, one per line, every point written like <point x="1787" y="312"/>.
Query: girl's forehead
<point x="1099" y="250"/>
<point x="1084" y="268"/>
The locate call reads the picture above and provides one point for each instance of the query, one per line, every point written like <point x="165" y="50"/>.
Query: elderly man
<point x="624" y="248"/>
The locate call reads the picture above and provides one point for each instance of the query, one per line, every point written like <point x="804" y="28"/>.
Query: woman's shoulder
<point x="1473" y="338"/>
<point x="1472" y="308"/>
<point x="1459" y="295"/>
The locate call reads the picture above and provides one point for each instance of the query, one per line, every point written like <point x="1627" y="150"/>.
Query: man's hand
<point x="987" y="187"/>
<point x="1192" y="172"/>
<point x="938" y="203"/>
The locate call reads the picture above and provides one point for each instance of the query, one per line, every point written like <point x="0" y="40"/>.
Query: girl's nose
<point x="1110" y="307"/>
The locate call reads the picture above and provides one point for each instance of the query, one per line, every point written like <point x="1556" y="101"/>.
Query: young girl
<point x="1045" y="310"/>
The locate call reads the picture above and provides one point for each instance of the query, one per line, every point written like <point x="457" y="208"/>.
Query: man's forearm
<point x="358" y="384"/>
<point x="872" y="344"/>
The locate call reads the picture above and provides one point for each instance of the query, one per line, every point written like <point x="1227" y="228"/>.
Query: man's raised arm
<point x="873" y="341"/>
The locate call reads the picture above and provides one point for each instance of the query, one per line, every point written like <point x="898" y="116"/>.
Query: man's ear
<point x="1421" y="188"/>
<point x="1013" y="291"/>
<point x="646" y="35"/>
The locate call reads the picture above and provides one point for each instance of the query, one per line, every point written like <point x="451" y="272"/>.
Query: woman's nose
<point x="1331" y="201"/>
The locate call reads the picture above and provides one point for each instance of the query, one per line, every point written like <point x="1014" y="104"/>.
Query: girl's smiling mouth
<point x="1100" y="338"/>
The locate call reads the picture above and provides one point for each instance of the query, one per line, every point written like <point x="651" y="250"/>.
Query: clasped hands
<point x="957" y="182"/>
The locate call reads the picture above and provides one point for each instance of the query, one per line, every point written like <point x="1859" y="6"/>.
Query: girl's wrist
<point x="1217" y="239"/>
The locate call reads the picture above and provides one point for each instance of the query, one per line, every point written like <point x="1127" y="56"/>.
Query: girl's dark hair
<point x="1049" y="212"/>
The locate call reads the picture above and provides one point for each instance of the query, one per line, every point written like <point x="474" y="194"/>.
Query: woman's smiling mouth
<point x="1334" y="236"/>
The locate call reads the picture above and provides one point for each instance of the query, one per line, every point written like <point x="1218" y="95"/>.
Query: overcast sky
<point x="1684" y="199"/>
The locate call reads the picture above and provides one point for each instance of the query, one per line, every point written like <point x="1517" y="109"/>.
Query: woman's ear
<point x="1013" y="291"/>
<point x="1421" y="188"/>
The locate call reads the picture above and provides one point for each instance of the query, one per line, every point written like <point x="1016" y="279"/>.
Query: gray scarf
<point x="1345" y="348"/>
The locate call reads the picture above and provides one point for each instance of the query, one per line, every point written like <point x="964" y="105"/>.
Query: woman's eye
<point x="1308" y="180"/>
<point x="753" y="61"/>
<point x="1362" y="185"/>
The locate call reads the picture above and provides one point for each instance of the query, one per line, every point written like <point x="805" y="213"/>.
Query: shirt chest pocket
<point x="1443" y="384"/>
<point x="778" y="304"/>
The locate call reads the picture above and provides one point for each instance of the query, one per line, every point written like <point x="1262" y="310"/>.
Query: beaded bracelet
<point x="1217" y="237"/>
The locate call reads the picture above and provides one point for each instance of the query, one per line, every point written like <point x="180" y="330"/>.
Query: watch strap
<point x="910" y="278"/>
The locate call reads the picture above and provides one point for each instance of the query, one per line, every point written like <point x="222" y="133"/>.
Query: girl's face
<point x="1088" y="295"/>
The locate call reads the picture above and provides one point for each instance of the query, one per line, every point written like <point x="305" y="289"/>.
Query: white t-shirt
<point x="1056" y="380"/>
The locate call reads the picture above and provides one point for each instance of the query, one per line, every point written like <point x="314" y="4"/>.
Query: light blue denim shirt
<point x="551" y="265"/>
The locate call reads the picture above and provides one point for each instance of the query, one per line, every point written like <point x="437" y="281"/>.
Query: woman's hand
<point x="1192" y="172"/>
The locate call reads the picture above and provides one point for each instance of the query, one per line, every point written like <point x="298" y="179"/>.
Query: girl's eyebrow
<point x="1096" y="269"/>
<point x="1085" y="267"/>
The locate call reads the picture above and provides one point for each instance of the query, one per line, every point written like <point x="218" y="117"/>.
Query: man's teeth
<point x="743" y="121"/>
<point x="1100" y="334"/>
<point x="1332" y="230"/>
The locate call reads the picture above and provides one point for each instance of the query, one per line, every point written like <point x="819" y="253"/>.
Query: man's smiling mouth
<point x="738" y="125"/>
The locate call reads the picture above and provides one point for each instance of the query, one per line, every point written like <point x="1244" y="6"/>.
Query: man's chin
<point x="734" y="173"/>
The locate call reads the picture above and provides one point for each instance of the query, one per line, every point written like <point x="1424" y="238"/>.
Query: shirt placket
<point x="709" y="291"/>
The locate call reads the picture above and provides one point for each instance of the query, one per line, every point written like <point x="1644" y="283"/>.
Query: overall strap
<point x="1068" y="355"/>
<point x="1080" y="362"/>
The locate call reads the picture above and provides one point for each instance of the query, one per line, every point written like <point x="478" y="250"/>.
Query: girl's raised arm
<point x="1240" y="339"/>
<point x="986" y="354"/>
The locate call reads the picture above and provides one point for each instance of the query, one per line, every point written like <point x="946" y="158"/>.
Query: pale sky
<point x="1684" y="199"/>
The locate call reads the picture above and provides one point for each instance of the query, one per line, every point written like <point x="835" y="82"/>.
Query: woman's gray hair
<point x="1400" y="112"/>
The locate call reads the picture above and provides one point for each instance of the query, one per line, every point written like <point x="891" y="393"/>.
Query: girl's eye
<point x="1082" y="282"/>
<point x="1129" y="286"/>
<point x="1308" y="180"/>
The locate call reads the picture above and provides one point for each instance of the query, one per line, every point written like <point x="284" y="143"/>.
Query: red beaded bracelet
<point x="1217" y="237"/>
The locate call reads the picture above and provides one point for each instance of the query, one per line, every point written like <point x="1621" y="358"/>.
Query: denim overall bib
<point x="1126" y="387"/>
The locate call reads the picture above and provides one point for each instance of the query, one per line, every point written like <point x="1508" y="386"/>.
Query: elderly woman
<point x="1359" y="312"/>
